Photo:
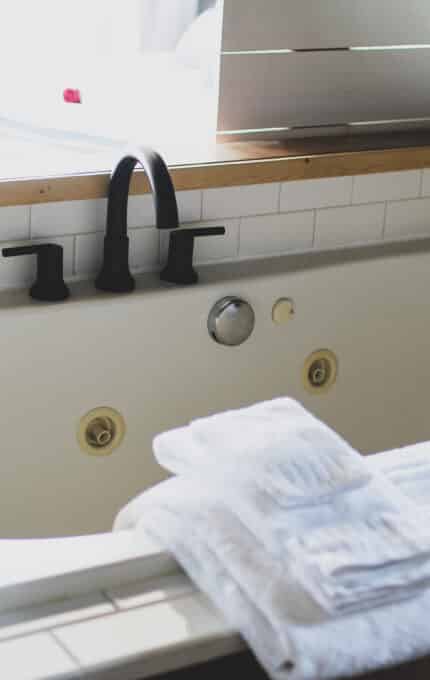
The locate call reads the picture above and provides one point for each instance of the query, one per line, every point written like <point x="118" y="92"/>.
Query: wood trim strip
<point x="243" y="164"/>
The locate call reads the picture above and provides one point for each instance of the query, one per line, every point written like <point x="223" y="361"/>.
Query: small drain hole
<point x="100" y="432"/>
<point x="320" y="371"/>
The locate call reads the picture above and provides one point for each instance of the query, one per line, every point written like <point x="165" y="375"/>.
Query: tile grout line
<point x="53" y="627"/>
<point x="117" y="612"/>
<point x="421" y="189"/>
<point x="30" y="221"/>
<point x="193" y="590"/>
<point x="382" y="200"/>
<point x="351" y="202"/>
<point x="240" y="215"/>
<point x="384" y="224"/>
<point x="75" y="249"/>
<point x="110" y="599"/>
<point x="96" y="232"/>
<point x="201" y="204"/>
<point x="408" y="199"/>
<point x="65" y="649"/>
<point x="314" y="231"/>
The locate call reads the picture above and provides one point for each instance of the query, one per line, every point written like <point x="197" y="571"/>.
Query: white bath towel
<point x="291" y="634"/>
<point x="182" y="452"/>
<point x="359" y="564"/>
<point x="408" y="468"/>
<point x="282" y="485"/>
<point x="413" y="480"/>
<point x="281" y="470"/>
<point x="279" y="434"/>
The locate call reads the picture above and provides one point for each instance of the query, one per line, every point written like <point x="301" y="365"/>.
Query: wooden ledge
<point x="240" y="163"/>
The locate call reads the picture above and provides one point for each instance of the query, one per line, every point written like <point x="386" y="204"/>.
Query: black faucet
<point x="49" y="285"/>
<point x="115" y="273"/>
<point x="179" y="268"/>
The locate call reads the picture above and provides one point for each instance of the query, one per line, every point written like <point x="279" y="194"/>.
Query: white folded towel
<point x="278" y="435"/>
<point x="281" y="469"/>
<point x="260" y="509"/>
<point x="291" y="634"/>
<point x="407" y="468"/>
<point x="184" y="450"/>
<point x="351" y="567"/>
<point x="183" y="537"/>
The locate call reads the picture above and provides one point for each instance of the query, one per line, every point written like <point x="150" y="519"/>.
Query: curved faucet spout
<point x="166" y="209"/>
<point x="115" y="273"/>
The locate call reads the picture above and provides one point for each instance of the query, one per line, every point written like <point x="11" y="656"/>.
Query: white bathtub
<point x="149" y="355"/>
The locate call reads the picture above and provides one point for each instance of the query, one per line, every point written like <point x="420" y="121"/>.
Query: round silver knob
<point x="231" y="321"/>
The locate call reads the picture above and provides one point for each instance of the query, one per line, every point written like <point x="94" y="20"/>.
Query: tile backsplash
<point x="261" y="220"/>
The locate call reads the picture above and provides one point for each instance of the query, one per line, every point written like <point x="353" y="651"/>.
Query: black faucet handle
<point x="179" y="268"/>
<point x="49" y="285"/>
<point x="199" y="231"/>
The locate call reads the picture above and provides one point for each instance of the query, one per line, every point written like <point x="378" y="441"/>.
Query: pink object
<point x="72" y="96"/>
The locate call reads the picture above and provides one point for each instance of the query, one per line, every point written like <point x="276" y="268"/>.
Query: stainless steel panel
<point x="317" y="24"/>
<point x="322" y="88"/>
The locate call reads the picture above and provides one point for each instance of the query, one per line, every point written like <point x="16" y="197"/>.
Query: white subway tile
<point x="406" y="219"/>
<point x="386" y="186"/>
<point x="134" y="633"/>
<point x="151" y="591"/>
<point x="315" y="193"/>
<point x="35" y="657"/>
<point x="256" y="199"/>
<point x="42" y="617"/>
<point x="14" y="223"/>
<point x="89" y="253"/>
<point x="144" y="251"/>
<point x="17" y="272"/>
<point x="352" y="224"/>
<point x="425" y="189"/>
<point x="144" y="248"/>
<point x="209" y="248"/>
<point x="68" y="217"/>
<point x="189" y="206"/>
<point x="141" y="211"/>
<point x="20" y="272"/>
<point x="276" y="234"/>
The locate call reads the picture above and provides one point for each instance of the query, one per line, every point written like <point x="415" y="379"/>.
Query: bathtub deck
<point x="130" y="632"/>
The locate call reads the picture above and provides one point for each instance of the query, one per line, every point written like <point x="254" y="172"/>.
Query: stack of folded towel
<point x="311" y="552"/>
